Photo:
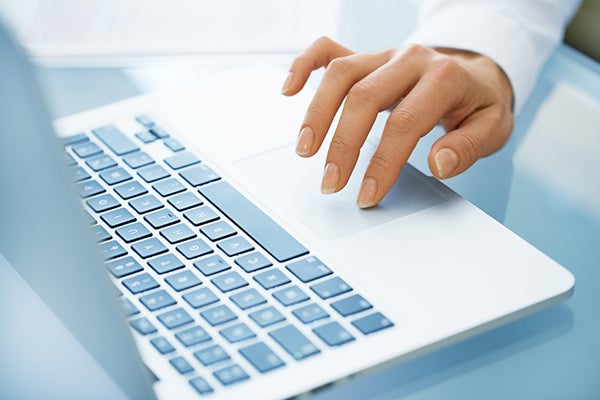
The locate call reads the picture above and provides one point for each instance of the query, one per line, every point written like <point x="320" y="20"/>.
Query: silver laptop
<point x="191" y="254"/>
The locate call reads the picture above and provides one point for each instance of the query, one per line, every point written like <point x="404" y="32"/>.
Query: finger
<point x="317" y="55"/>
<point x="480" y="135"/>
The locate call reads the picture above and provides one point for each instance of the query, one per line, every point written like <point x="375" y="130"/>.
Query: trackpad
<point x="295" y="182"/>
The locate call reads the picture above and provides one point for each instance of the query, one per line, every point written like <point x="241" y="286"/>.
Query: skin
<point x="467" y="93"/>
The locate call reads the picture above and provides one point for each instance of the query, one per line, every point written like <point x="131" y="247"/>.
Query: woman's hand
<point x="466" y="92"/>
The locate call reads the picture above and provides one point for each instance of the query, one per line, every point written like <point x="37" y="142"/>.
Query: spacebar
<point x="266" y="232"/>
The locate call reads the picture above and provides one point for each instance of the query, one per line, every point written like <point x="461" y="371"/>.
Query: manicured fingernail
<point x="445" y="161"/>
<point x="288" y="83"/>
<point x="305" y="140"/>
<point x="366" y="196"/>
<point x="331" y="176"/>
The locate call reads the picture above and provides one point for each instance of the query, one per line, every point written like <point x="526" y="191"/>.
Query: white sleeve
<point x="519" y="35"/>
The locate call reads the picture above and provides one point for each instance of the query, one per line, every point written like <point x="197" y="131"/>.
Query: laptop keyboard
<point x="217" y="287"/>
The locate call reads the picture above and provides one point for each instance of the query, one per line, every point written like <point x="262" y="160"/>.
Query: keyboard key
<point x="201" y="386"/>
<point x="102" y="203"/>
<point x="86" y="149"/>
<point x="237" y="333"/>
<point x="142" y="326"/>
<point x="70" y="161"/>
<point x="145" y="204"/>
<point x="194" y="248"/>
<point x="128" y="308"/>
<point x="267" y="317"/>
<point x="261" y="357"/>
<point x="114" y="176"/>
<point x="218" y="230"/>
<point x="372" y="323"/>
<point x="149" y="248"/>
<point x="218" y="315"/>
<point x="310" y="313"/>
<point x="181" y="160"/>
<point x="145" y="120"/>
<point x="199" y="175"/>
<point x="100" y="162"/>
<point x="351" y="305"/>
<point x="308" y="269"/>
<point x="331" y="288"/>
<point x="115" y="140"/>
<point x="157" y="300"/>
<point x="76" y="138"/>
<point x="192" y="336"/>
<point x="201" y="215"/>
<point x="177" y="233"/>
<point x="211" y="355"/>
<point x="89" y="189"/>
<point x="294" y="342"/>
<point x="153" y="173"/>
<point x="184" y="201"/>
<point x="253" y="262"/>
<point x="333" y="334"/>
<point x="181" y="365"/>
<point x="229" y="281"/>
<point x="162" y="345"/>
<point x="159" y="132"/>
<point x="145" y="137"/>
<point x="174" y="145"/>
<point x="234" y="246"/>
<point x="131" y="233"/>
<point x="175" y="318"/>
<point x="161" y="218"/>
<point x="165" y="263"/>
<point x="168" y="187"/>
<point x="211" y="265"/>
<point x="248" y="299"/>
<point x="230" y="375"/>
<point x="138" y="160"/>
<point x="100" y="233"/>
<point x="183" y="280"/>
<point x="140" y="283"/>
<point x="271" y="278"/>
<point x="123" y="267"/>
<point x="117" y="217"/>
<point x="88" y="218"/>
<point x="78" y="174"/>
<point x="200" y="298"/>
<point x="130" y="190"/>
<point x="290" y="296"/>
<point x="266" y="232"/>
<point x="110" y="250"/>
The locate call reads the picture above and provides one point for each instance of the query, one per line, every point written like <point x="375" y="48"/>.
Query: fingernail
<point x="446" y="161"/>
<point x="288" y="83"/>
<point x="305" y="140"/>
<point x="366" y="195"/>
<point x="331" y="175"/>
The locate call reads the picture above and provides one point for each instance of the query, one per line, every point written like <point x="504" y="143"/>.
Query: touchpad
<point x="295" y="182"/>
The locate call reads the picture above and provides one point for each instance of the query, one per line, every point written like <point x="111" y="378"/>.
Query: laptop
<point x="181" y="242"/>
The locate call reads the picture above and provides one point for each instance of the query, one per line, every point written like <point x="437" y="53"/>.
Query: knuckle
<point x="471" y="147"/>
<point x="314" y="111"/>
<point x="339" y="66"/>
<point x="340" y="145"/>
<point x="362" y="92"/>
<point x="403" y="120"/>
<point x="383" y="162"/>
<point x="414" y="49"/>
<point x="323" y="41"/>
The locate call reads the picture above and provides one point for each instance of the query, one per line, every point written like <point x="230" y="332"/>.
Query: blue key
<point x="201" y="215"/>
<point x="78" y="174"/>
<point x="123" y="267"/>
<point x="181" y="160"/>
<point x="235" y="246"/>
<point x="194" y="248"/>
<point x="192" y="336"/>
<point x="248" y="299"/>
<point x="211" y="265"/>
<point x="211" y="355"/>
<point x="76" y="138"/>
<point x="145" y="137"/>
<point x="159" y="132"/>
<point x="200" y="298"/>
<point x="110" y="250"/>
<point x="333" y="334"/>
<point x="143" y="326"/>
<point x="199" y="175"/>
<point x="308" y="269"/>
<point x="253" y="262"/>
<point x="331" y="288"/>
<point x="140" y="283"/>
<point x="153" y="173"/>
<point x="131" y="233"/>
<point x="157" y="300"/>
<point x="294" y="342"/>
<point x="372" y="323"/>
<point x="237" y="333"/>
<point x="177" y="233"/>
<point x="310" y="313"/>
<point x="100" y="162"/>
<point x="70" y="161"/>
<point x="102" y="203"/>
<point x="89" y="189"/>
<point x="165" y="263"/>
<point x="230" y="375"/>
<point x="117" y="217"/>
<point x="161" y="218"/>
<point x="201" y="386"/>
<point x="138" y="160"/>
<point x="229" y="281"/>
<point x="218" y="315"/>
<point x="266" y="317"/>
<point x="130" y="190"/>
<point x="174" y="145"/>
<point x="184" y="201"/>
<point x="88" y="218"/>
<point x="114" y="176"/>
<point x="181" y="365"/>
<point x="145" y="204"/>
<point x="115" y="140"/>
<point x="271" y="278"/>
<point x="175" y="318"/>
<point x="290" y="296"/>
<point x="168" y="187"/>
<point x="145" y="120"/>
<point x="162" y="345"/>
<point x="218" y="230"/>
<point x="266" y="232"/>
<point x="183" y="280"/>
<point x="351" y="305"/>
<point x="261" y="357"/>
<point x="100" y="233"/>
<point x="149" y="247"/>
<point x="86" y="149"/>
<point x="128" y="308"/>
